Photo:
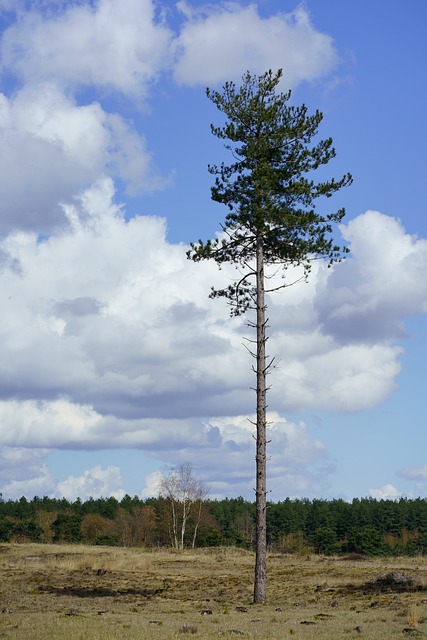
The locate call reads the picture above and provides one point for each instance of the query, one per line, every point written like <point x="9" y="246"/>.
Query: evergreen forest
<point x="364" y="526"/>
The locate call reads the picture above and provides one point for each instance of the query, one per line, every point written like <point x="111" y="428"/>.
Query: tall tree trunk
<point x="174" y="525"/>
<point x="184" y="521"/>
<point x="199" y="514"/>
<point x="260" y="590"/>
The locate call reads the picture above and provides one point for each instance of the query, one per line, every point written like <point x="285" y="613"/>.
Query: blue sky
<point x="114" y="363"/>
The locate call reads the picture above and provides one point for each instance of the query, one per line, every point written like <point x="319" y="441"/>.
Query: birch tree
<point x="185" y="493"/>
<point x="272" y="220"/>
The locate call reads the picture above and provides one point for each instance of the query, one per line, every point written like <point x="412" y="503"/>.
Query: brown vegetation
<point x="79" y="592"/>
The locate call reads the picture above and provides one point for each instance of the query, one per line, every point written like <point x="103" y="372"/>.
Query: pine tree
<point x="271" y="220"/>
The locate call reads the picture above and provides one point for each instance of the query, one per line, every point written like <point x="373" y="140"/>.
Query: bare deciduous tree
<point x="186" y="494"/>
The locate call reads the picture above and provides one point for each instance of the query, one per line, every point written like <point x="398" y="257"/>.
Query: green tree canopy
<point x="268" y="190"/>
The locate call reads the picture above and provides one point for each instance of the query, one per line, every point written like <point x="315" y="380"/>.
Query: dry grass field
<point x="102" y="593"/>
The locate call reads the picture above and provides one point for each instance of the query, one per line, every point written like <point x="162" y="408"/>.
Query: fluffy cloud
<point x="152" y="484"/>
<point x="52" y="148"/>
<point x="55" y="143"/>
<point x="24" y="472"/>
<point x="332" y="376"/>
<point x="223" y="41"/>
<point x="135" y="342"/>
<point x="111" y="334"/>
<point x="387" y="492"/>
<point x="94" y="358"/>
<point x="14" y="458"/>
<point x="125" y="46"/>
<point x="117" y="45"/>
<point x="298" y="465"/>
<point x="367" y="299"/>
<point x="130" y="356"/>
<point x="93" y="482"/>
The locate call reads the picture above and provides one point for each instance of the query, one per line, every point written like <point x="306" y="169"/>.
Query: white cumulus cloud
<point x="367" y="299"/>
<point x="93" y="482"/>
<point x="52" y="148"/>
<point x="109" y="301"/>
<point x="151" y="485"/>
<point x="109" y="340"/>
<point x="220" y="42"/>
<point x="387" y="492"/>
<point x="24" y="472"/>
<point x="116" y="45"/>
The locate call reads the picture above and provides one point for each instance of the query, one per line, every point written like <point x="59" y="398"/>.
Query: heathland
<point x="76" y="592"/>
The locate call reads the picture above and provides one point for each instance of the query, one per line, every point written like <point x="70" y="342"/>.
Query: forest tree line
<point x="365" y="526"/>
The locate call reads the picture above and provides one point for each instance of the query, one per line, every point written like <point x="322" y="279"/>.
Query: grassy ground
<point x="91" y="593"/>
